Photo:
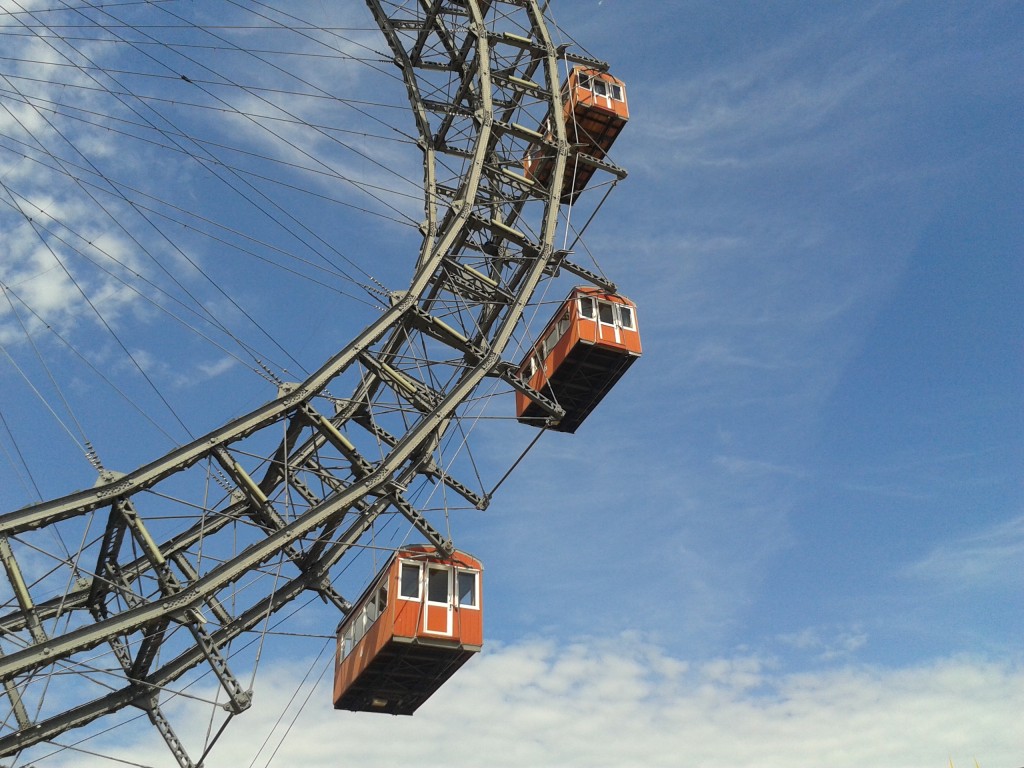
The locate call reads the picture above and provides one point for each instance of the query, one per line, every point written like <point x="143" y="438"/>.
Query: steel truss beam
<point x="324" y="477"/>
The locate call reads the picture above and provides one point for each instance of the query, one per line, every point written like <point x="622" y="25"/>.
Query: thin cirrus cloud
<point x="991" y="557"/>
<point x="623" y="701"/>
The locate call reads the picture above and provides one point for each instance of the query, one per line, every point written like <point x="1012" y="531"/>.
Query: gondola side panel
<point x="547" y="365"/>
<point x="579" y="368"/>
<point x="595" y="110"/>
<point x="397" y="664"/>
<point x="376" y="638"/>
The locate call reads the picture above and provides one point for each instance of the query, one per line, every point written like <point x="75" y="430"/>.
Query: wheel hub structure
<point x="173" y="570"/>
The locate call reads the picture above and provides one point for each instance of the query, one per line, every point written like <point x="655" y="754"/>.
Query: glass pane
<point x="550" y="341"/>
<point x="616" y="92"/>
<point x="600" y="88"/>
<point x="625" y="316"/>
<point x="437" y="585"/>
<point x="467" y="589"/>
<point x="587" y="307"/>
<point x="584" y="81"/>
<point x="410" y="580"/>
<point x="606" y="312"/>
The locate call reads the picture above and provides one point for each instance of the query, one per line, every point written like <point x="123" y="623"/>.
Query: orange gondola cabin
<point x="417" y="623"/>
<point x="590" y="342"/>
<point x="595" y="110"/>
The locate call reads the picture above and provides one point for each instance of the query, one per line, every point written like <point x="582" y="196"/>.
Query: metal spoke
<point x="175" y="571"/>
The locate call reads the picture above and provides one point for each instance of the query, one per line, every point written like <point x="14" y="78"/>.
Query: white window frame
<point x="476" y="589"/>
<point x="437" y="568"/>
<point x="615" y="315"/>
<point x="448" y="604"/>
<point x="419" y="582"/>
<point x="348" y="642"/>
<point x="631" y="326"/>
<point x="593" y="307"/>
<point x="547" y="344"/>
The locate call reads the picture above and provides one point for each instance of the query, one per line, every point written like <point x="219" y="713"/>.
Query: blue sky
<point x="794" y="533"/>
<point x="818" y="461"/>
<point x="822" y="228"/>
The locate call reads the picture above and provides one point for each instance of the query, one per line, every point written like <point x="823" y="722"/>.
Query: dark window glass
<point x="587" y="307"/>
<point x="437" y="585"/>
<point x="467" y="589"/>
<point x="606" y="312"/>
<point x="616" y="92"/>
<point x="410" y="580"/>
<point x="625" y="316"/>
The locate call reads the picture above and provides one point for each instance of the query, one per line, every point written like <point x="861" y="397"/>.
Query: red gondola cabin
<point x="595" y="110"/>
<point x="417" y="623"/>
<point x="591" y="341"/>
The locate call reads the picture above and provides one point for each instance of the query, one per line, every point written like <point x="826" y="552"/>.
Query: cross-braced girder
<point x="189" y="553"/>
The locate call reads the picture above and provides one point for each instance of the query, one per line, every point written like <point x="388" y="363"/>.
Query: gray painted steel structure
<point x="488" y="237"/>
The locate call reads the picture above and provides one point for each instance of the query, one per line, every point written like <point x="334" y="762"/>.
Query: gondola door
<point x="438" y="608"/>
<point x="602" y="94"/>
<point x="607" y="323"/>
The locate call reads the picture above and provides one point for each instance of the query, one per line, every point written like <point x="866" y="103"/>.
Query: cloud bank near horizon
<point x="622" y="700"/>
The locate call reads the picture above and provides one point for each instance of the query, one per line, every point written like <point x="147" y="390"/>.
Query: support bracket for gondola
<point x="561" y="262"/>
<point x="443" y="545"/>
<point x="603" y="165"/>
<point x="508" y="373"/>
<point x="578" y="58"/>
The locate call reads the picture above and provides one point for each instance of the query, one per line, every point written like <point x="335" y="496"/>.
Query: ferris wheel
<point x="168" y="581"/>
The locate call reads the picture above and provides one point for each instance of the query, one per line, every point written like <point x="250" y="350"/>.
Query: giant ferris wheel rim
<point x="451" y="221"/>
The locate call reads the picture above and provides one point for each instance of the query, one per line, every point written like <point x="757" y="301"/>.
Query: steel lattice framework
<point x="309" y="472"/>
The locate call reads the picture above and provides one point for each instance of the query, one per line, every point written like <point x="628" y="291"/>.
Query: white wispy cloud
<point x="991" y="556"/>
<point x="736" y="465"/>
<point x="827" y="644"/>
<point x="620" y="701"/>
